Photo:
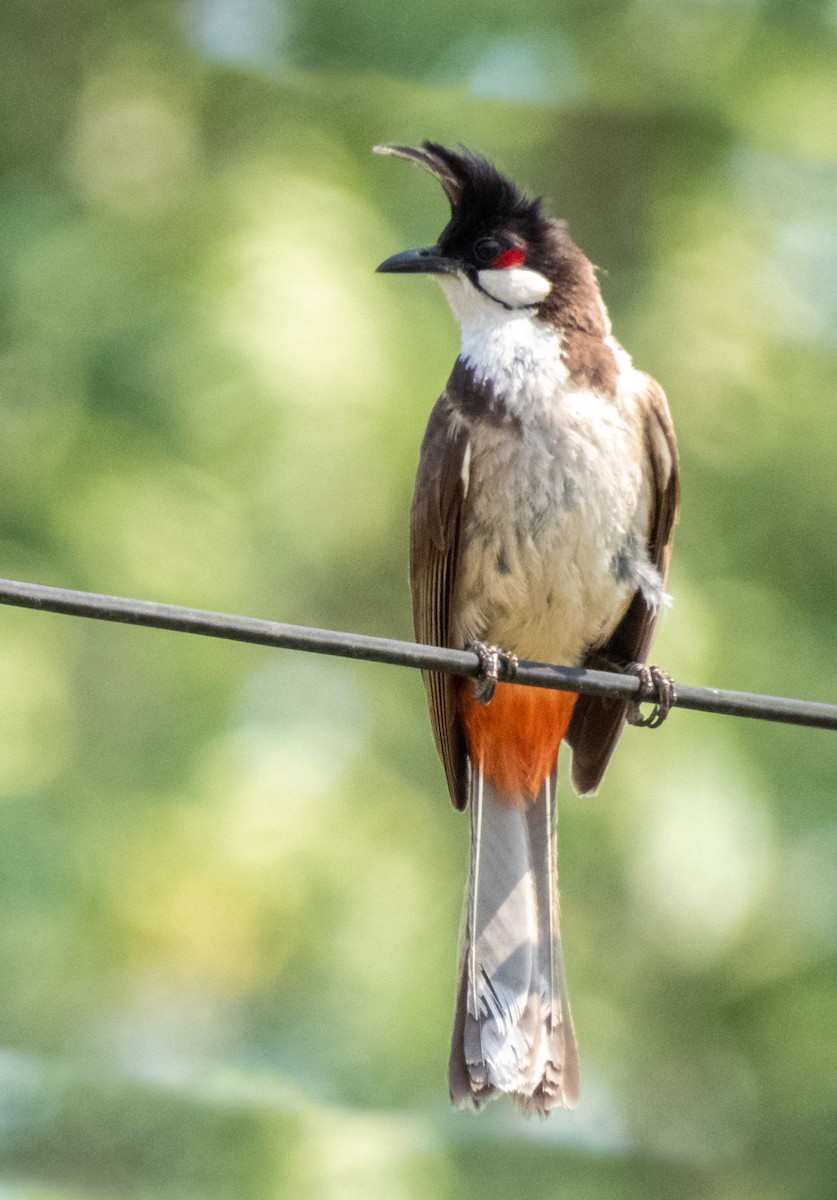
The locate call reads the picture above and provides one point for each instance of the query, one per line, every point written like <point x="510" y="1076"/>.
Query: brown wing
<point x="434" y="534"/>
<point x="597" y="723"/>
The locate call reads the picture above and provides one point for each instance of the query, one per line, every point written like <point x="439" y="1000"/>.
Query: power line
<point x="403" y="654"/>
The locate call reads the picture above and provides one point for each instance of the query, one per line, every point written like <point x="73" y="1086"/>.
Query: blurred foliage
<point x="230" y="878"/>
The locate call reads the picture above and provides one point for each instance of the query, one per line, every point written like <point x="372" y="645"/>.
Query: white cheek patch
<point x="518" y="287"/>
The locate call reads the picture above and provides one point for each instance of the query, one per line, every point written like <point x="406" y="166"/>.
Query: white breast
<point x="554" y="538"/>
<point x="519" y="354"/>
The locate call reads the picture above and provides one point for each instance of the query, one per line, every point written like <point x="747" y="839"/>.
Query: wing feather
<point x="434" y="538"/>
<point x="597" y="723"/>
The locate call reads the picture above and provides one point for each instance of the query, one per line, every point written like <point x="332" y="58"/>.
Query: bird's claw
<point x="656" y="686"/>
<point x="495" y="665"/>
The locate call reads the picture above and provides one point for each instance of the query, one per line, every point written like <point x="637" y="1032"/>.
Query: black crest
<point x="484" y="202"/>
<point x="471" y="183"/>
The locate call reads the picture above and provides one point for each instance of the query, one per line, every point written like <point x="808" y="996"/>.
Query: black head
<point x="494" y="226"/>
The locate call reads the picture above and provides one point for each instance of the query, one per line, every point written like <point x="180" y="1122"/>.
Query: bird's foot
<point x="495" y="665"/>
<point x="656" y="686"/>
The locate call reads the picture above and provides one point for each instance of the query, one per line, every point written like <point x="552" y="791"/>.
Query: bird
<point x="541" y="527"/>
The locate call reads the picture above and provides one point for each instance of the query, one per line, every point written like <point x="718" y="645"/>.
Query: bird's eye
<point x="486" y="250"/>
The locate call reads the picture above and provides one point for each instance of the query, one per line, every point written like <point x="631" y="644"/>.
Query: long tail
<point x="513" y="1030"/>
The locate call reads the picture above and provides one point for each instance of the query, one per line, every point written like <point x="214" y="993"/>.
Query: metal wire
<point x="402" y="654"/>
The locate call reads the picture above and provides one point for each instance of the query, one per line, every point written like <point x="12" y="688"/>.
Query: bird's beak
<point x="420" y="262"/>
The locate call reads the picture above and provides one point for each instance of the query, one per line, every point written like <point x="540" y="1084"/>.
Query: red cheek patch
<point x="509" y="258"/>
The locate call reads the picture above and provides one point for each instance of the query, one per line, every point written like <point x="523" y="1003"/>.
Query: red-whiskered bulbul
<point x="546" y="495"/>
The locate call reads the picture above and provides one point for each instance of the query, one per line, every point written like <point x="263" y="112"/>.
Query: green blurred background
<point x="231" y="879"/>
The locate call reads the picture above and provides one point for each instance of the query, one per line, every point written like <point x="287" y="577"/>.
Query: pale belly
<point x="554" y="537"/>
